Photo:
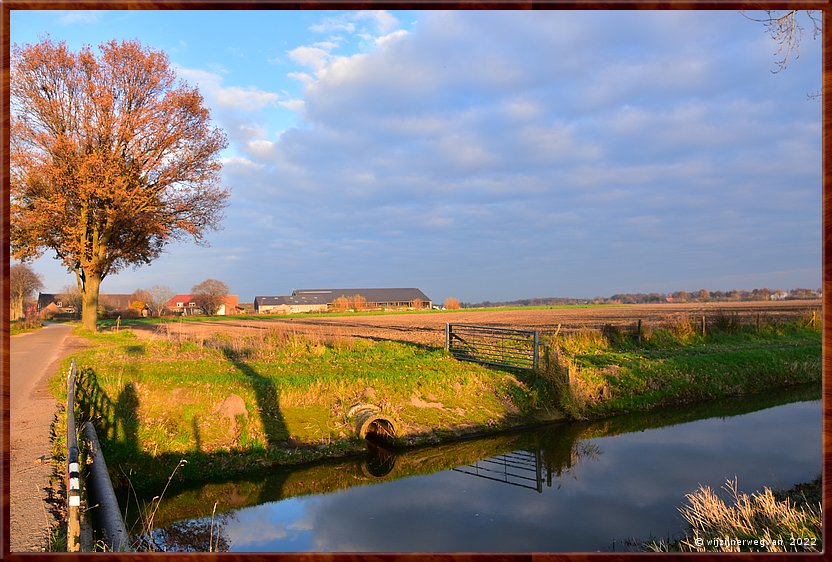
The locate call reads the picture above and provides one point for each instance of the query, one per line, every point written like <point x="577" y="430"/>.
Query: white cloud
<point x="80" y="16"/>
<point x="484" y="123"/>
<point x="385" y="40"/>
<point x="330" y="25"/>
<point x="294" y="104"/>
<point x="245" y="99"/>
<point x="383" y="21"/>
<point x="314" y="57"/>
<point x="260" y="148"/>
<point x="239" y="161"/>
<point x="249" y="98"/>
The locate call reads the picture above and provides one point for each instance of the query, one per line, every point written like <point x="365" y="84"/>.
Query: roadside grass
<point x="599" y="374"/>
<point x="764" y="521"/>
<point x="230" y="401"/>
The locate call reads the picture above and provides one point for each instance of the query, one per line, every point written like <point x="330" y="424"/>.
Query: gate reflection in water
<point x="564" y="488"/>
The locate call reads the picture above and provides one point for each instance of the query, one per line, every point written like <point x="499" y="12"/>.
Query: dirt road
<point x="34" y="359"/>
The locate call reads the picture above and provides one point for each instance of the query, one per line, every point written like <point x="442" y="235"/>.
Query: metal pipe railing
<point x="100" y="490"/>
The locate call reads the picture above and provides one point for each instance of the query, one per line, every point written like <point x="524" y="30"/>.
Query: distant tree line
<point x="702" y="295"/>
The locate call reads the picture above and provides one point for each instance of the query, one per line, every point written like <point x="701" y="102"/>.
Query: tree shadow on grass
<point x="268" y="406"/>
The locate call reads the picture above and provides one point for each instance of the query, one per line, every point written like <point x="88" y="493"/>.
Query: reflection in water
<point x="379" y="461"/>
<point x="518" y="468"/>
<point x="595" y="483"/>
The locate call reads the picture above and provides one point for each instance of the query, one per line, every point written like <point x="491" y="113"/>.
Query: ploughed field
<point x="429" y="328"/>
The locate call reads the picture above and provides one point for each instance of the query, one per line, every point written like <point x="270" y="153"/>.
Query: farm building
<point x="289" y="304"/>
<point x="108" y="304"/>
<point x="186" y="305"/>
<point x="321" y="300"/>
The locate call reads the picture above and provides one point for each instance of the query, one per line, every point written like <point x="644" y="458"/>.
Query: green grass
<point x="226" y="402"/>
<point x="612" y="373"/>
<point x="232" y="402"/>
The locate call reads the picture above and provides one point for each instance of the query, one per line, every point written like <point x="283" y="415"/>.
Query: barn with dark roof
<point x="321" y="300"/>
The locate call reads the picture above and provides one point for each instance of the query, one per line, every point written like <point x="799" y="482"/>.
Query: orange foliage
<point x="111" y="158"/>
<point x="452" y="303"/>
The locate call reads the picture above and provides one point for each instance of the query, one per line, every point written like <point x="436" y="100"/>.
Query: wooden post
<point x="73" y="483"/>
<point x="639" y="330"/>
<point x="536" y="349"/>
<point x="703" y="325"/>
<point x="447" y="336"/>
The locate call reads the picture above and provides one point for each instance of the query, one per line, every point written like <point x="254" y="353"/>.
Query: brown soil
<point x="429" y="329"/>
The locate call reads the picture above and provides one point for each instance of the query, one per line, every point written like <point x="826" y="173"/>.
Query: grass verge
<point x="232" y="402"/>
<point x="600" y="374"/>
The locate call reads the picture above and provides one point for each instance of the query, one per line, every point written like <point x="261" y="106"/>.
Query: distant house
<point x="50" y="304"/>
<point x="186" y="305"/>
<point x="321" y="300"/>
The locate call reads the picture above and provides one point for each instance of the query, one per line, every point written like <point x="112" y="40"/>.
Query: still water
<point x="571" y="487"/>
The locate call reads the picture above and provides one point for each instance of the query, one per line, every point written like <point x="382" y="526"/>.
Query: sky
<point x="488" y="155"/>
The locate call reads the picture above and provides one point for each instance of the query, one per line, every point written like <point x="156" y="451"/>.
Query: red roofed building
<point x="186" y="305"/>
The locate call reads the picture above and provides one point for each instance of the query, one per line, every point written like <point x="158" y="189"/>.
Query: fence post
<point x="536" y="349"/>
<point x="703" y="325"/>
<point x="639" y="330"/>
<point x="73" y="488"/>
<point x="447" y="336"/>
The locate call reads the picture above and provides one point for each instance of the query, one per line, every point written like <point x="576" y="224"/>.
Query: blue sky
<point x="488" y="155"/>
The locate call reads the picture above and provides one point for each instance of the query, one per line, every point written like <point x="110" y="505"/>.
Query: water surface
<point x="570" y="487"/>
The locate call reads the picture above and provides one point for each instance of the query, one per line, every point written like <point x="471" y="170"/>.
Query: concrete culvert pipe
<point x="370" y="423"/>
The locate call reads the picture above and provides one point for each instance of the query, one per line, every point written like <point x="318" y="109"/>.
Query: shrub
<point x="452" y="303"/>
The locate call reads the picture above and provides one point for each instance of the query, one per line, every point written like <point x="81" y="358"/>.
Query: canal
<point x="568" y="487"/>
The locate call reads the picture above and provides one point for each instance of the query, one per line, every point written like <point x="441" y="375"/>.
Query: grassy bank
<point x="226" y="403"/>
<point x="602" y="374"/>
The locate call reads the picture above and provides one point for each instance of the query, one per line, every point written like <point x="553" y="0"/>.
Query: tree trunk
<point x="89" y="316"/>
<point x="16" y="308"/>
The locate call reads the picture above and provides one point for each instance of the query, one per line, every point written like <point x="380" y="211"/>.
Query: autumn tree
<point x="452" y="303"/>
<point x="140" y="300"/>
<point x="209" y="295"/>
<point x="23" y="282"/>
<point x="341" y="304"/>
<point x="358" y="303"/>
<point x="111" y="158"/>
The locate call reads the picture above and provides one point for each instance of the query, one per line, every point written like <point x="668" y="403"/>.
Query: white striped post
<point x="73" y="487"/>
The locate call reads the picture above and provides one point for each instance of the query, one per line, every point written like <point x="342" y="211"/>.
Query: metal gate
<point x="500" y="347"/>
